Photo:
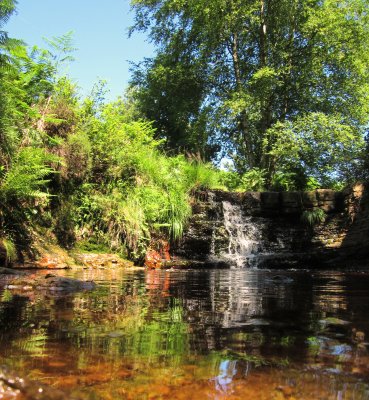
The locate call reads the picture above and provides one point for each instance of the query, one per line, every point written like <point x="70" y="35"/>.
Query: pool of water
<point x="195" y="334"/>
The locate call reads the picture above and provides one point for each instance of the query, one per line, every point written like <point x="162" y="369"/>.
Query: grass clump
<point x="313" y="217"/>
<point x="10" y="250"/>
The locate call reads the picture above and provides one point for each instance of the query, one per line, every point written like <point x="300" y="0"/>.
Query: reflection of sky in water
<point x="341" y="349"/>
<point x="227" y="370"/>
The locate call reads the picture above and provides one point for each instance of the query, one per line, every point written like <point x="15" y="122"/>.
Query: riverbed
<point x="195" y="334"/>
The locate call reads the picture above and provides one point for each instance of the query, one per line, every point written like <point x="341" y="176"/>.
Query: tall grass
<point x="10" y="250"/>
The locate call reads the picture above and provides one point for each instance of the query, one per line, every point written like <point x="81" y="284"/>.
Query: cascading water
<point x="244" y="237"/>
<point x="260" y="230"/>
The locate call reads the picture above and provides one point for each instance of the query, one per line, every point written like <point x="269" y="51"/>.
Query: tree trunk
<point x="243" y="125"/>
<point x="266" y="107"/>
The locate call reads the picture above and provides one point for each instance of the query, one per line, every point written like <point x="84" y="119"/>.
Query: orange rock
<point x="48" y="262"/>
<point x="153" y="259"/>
<point x="286" y="390"/>
<point x="165" y="247"/>
<point x="156" y="254"/>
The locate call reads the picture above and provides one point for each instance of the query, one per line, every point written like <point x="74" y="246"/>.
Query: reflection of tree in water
<point x="11" y="314"/>
<point x="243" y="310"/>
<point x="266" y="315"/>
<point x="221" y="325"/>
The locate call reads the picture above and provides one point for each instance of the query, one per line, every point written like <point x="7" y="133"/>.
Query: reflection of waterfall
<point x="227" y="371"/>
<point x="244" y="236"/>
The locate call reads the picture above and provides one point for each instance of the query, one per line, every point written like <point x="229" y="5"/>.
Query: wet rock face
<point x="206" y="233"/>
<point x="266" y="229"/>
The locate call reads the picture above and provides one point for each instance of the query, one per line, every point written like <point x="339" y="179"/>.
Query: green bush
<point x="254" y="180"/>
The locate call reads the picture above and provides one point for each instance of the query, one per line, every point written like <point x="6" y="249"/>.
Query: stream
<point x="195" y="334"/>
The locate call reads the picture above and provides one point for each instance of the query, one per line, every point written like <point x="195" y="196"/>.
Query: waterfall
<point x="241" y="231"/>
<point x="244" y="237"/>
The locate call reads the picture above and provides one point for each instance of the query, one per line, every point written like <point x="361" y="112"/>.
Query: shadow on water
<point x="218" y="334"/>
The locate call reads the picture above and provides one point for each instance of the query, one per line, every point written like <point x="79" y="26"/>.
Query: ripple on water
<point x="194" y="334"/>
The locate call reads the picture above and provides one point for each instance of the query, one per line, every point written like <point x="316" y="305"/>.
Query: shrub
<point x="254" y="180"/>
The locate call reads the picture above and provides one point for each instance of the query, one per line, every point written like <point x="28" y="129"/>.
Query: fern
<point x="27" y="175"/>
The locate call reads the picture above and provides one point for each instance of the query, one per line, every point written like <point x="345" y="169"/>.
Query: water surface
<point x="214" y="334"/>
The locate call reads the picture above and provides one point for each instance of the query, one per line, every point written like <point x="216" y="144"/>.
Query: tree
<point x="260" y="64"/>
<point x="171" y="94"/>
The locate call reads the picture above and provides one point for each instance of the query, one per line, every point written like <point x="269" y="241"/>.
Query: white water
<point x="244" y="237"/>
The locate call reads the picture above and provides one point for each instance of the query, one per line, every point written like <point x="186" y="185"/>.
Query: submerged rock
<point x="11" y="271"/>
<point x="49" y="282"/>
<point x="14" y="386"/>
<point x="279" y="279"/>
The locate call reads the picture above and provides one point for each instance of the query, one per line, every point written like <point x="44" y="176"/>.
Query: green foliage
<point x="10" y="249"/>
<point x="78" y="157"/>
<point x="254" y="180"/>
<point x="313" y="217"/>
<point x="276" y="88"/>
<point x="64" y="224"/>
<point x="27" y="176"/>
<point x="171" y="93"/>
<point x="23" y="192"/>
<point x="7" y="7"/>
<point x="141" y="190"/>
<point x="90" y="246"/>
<point x="199" y="175"/>
<point x="284" y="181"/>
<point x="7" y="296"/>
<point x="144" y="190"/>
<point x="230" y="180"/>
<point x="319" y="146"/>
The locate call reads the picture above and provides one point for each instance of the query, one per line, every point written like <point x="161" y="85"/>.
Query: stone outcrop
<point x="273" y="232"/>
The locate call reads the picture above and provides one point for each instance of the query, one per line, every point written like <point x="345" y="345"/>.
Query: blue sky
<point x="100" y="36"/>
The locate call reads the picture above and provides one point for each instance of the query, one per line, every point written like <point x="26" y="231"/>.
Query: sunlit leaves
<point x="261" y="65"/>
<point x="323" y="146"/>
<point x="27" y="176"/>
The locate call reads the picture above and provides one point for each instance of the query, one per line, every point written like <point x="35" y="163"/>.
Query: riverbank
<point x="317" y="229"/>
